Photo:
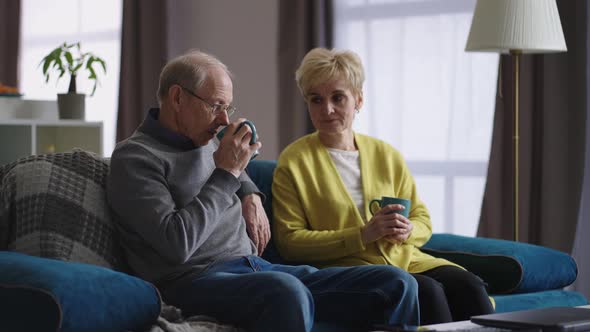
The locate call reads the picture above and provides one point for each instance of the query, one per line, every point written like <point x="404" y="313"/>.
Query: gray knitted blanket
<point x="171" y="320"/>
<point x="54" y="206"/>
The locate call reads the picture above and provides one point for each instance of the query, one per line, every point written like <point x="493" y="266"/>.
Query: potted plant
<point x="68" y="58"/>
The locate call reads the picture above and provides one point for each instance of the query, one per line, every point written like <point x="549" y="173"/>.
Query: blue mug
<point x="252" y="140"/>
<point x="386" y="200"/>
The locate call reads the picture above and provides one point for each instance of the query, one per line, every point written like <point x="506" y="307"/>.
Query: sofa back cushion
<point x="261" y="172"/>
<point x="54" y="206"/>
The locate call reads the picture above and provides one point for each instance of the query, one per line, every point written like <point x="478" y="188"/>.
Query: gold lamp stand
<point x="515" y="139"/>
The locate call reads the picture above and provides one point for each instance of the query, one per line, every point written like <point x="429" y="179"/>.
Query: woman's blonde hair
<point x="321" y="65"/>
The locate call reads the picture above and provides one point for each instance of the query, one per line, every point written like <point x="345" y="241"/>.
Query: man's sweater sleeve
<point x="140" y="199"/>
<point x="248" y="187"/>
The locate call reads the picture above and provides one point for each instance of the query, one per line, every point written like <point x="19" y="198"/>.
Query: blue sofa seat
<point x="520" y="276"/>
<point x="53" y="207"/>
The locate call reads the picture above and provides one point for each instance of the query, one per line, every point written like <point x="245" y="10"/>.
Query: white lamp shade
<point x="529" y="26"/>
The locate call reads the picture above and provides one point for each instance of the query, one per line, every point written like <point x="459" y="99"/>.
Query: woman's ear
<point x="359" y="101"/>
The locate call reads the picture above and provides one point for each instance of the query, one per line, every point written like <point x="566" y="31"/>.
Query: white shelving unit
<point x="21" y="137"/>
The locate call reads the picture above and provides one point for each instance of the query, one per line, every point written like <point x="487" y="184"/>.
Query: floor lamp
<point x="516" y="27"/>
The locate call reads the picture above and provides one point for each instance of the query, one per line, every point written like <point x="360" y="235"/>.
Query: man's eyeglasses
<point x="216" y="109"/>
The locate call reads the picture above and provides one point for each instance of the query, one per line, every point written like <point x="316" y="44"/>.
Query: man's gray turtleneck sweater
<point x="175" y="211"/>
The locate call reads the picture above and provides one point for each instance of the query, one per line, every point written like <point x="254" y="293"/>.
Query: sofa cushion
<point x="261" y="173"/>
<point x="68" y="296"/>
<point x="507" y="266"/>
<point x="54" y="206"/>
<point x="537" y="300"/>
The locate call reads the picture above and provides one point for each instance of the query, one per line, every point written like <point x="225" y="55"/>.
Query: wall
<point x="242" y="34"/>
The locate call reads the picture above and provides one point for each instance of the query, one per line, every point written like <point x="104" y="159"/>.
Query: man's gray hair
<point x="188" y="70"/>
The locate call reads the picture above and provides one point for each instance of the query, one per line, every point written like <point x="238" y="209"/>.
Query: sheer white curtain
<point x="427" y="97"/>
<point x="97" y="25"/>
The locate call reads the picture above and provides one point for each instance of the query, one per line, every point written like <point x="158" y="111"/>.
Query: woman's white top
<point x="348" y="165"/>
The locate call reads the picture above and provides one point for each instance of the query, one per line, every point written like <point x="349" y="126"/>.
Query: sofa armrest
<point x="507" y="266"/>
<point x="72" y="296"/>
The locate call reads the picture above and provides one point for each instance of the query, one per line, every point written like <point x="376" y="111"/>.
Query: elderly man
<point x="192" y="222"/>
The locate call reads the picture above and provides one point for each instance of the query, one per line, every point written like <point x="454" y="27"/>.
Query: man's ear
<point x="175" y="96"/>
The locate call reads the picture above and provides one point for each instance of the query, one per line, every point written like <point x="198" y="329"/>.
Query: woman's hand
<point x="403" y="232"/>
<point x="387" y="224"/>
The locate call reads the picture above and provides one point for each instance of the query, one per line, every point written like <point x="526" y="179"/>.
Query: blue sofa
<point x="62" y="269"/>
<point x="520" y="276"/>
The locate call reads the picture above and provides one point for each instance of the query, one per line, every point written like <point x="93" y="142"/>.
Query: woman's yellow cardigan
<point x="317" y="221"/>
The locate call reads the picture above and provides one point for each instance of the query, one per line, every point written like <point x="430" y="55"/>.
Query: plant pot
<point x="71" y="105"/>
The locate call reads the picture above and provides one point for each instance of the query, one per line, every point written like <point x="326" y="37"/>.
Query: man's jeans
<point x="259" y="296"/>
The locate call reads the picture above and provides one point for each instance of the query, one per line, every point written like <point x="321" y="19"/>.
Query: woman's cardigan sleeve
<point x="419" y="215"/>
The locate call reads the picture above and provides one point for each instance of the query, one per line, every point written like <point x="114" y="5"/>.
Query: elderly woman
<point x="323" y="185"/>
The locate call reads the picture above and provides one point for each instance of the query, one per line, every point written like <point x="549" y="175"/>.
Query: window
<point x="97" y="25"/>
<point x="427" y="97"/>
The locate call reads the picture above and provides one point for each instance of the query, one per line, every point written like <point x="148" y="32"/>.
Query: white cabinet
<point x="24" y="137"/>
<point x="30" y="127"/>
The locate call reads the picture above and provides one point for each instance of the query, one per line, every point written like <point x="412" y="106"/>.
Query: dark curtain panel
<point x="304" y="25"/>
<point x="9" y="41"/>
<point x="143" y="54"/>
<point x="553" y="107"/>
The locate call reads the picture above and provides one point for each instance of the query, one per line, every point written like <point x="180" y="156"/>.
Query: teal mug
<point x="252" y="140"/>
<point x="386" y="200"/>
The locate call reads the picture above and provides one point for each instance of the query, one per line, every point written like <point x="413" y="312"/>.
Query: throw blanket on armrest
<point x="54" y="206"/>
<point x="171" y="320"/>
